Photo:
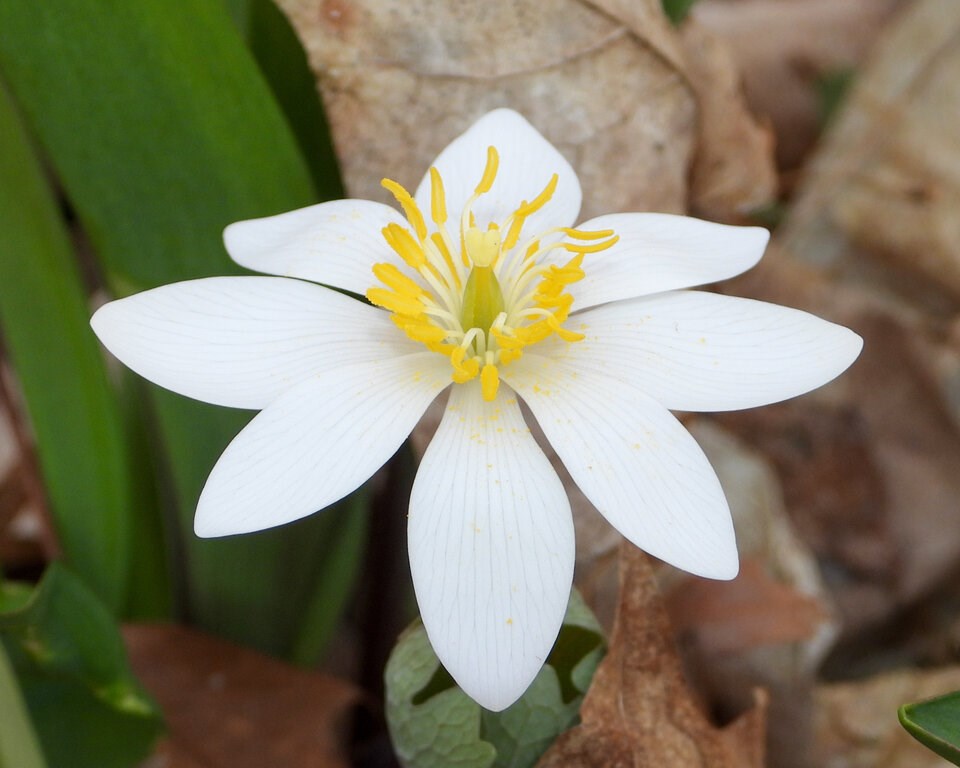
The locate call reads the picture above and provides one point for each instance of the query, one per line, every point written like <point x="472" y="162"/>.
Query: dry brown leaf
<point x="733" y="172"/>
<point x="603" y="80"/>
<point x="879" y="205"/>
<point x="752" y="611"/>
<point x="229" y="706"/>
<point x="639" y="710"/>
<point x="782" y="48"/>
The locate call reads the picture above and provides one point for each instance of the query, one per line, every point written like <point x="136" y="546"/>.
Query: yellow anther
<point x="509" y="355"/>
<point x="565" y="334"/>
<point x="392" y="277"/>
<point x="402" y="305"/>
<point x="463" y="370"/>
<point x="409" y="205"/>
<point x="583" y="234"/>
<point x="438" y="199"/>
<point x="540" y="200"/>
<point x="513" y="234"/>
<point x="506" y="342"/>
<point x="553" y="301"/>
<point x="489" y="382"/>
<point x="591" y="247"/>
<point x="489" y="172"/>
<point x="405" y="246"/>
<point x="425" y="333"/>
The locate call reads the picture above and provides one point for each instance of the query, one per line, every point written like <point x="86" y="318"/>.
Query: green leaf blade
<point x="81" y="436"/>
<point x="88" y="709"/>
<point x="935" y="723"/>
<point x="163" y="131"/>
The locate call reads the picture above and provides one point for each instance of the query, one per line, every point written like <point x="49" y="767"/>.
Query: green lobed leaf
<point x="18" y="743"/>
<point x="88" y="709"/>
<point x="444" y="730"/>
<point x="82" y="439"/>
<point x="433" y="723"/>
<point x="935" y="723"/>
<point x="163" y="131"/>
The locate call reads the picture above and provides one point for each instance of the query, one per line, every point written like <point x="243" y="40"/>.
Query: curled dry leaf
<point x="879" y="205"/>
<point x="604" y="80"/>
<point x="733" y="172"/>
<point x="639" y="710"/>
<point x="784" y="47"/>
<point x="228" y="706"/>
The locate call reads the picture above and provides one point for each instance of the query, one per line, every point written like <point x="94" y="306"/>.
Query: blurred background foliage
<point x="131" y="134"/>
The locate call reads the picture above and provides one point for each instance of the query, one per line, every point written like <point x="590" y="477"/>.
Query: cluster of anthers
<point x="499" y="295"/>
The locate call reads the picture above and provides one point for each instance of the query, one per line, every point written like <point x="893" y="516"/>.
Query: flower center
<point x="482" y="298"/>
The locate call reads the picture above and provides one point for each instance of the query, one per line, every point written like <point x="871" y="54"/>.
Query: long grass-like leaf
<point x="163" y="131"/>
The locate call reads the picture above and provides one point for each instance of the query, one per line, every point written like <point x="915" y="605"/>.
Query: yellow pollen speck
<point x="510" y="622"/>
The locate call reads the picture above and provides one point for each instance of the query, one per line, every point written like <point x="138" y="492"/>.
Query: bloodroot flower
<point x="481" y="285"/>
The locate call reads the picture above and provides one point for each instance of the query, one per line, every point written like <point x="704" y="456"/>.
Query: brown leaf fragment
<point x="752" y="611"/>
<point x="228" y="706"/>
<point x="878" y="207"/>
<point x="639" y="710"/>
<point x="733" y="170"/>
<point x="784" y="47"/>
<point x="400" y="79"/>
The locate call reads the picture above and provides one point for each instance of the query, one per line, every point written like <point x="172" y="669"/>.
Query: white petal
<point x="696" y="351"/>
<point x="241" y="341"/>
<point x="491" y="547"/>
<point x="317" y="443"/>
<point x="335" y="243"/>
<point x="661" y="252"/>
<point x="527" y="161"/>
<point x="634" y="461"/>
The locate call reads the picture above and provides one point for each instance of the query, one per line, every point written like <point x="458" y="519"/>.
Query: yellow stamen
<point x="405" y="246"/>
<point x="585" y="234"/>
<point x="425" y="333"/>
<point x="395" y="302"/>
<point x="489" y="382"/>
<point x="591" y="247"/>
<point x="438" y="199"/>
<point x="392" y="277"/>
<point x="463" y="370"/>
<point x="540" y="200"/>
<point x="489" y="172"/>
<point x="409" y="205"/>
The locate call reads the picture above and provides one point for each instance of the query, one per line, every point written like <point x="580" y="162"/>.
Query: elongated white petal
<point x="317" y="443"/>
<point x="661" y="252"/>
<point x="491" y="547"/>
<point x="335" y="243"/>
<point x="634" y="461"/>
<point x="696" y="351"/>
<point x="241" y="341"/>
<point x="527" y="161"/>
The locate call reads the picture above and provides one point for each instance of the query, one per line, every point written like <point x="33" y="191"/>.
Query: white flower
<point x="482" y="284"/>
